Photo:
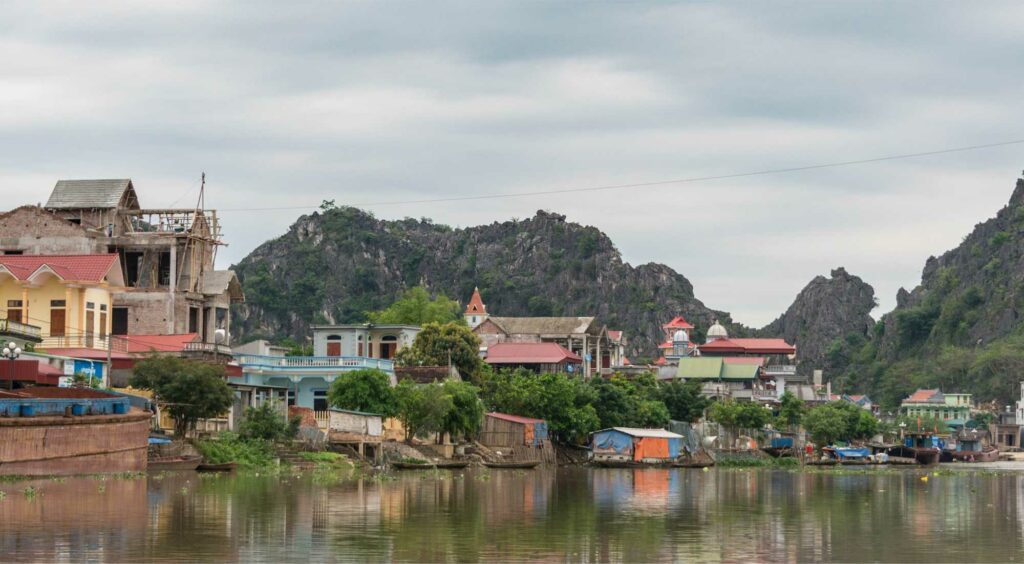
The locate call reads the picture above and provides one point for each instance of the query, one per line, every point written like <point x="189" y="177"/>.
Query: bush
<point x="367" y="390"/>
<point x="229" y="447"/>
<point x="267" y="423"/>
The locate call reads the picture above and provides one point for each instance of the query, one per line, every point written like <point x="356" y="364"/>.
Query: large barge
<point x="67" y="431"/>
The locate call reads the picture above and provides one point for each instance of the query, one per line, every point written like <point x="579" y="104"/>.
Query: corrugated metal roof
<point x="88" y="194"/>
<point x="530" y="353"/>
<point x="716" y="368"/>
<point x="514" y="418"/>
<point x="543" y="325"/>
<point x="636" y="432"/>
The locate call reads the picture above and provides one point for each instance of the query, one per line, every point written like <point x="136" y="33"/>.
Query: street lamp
<point x="11" y="351"/>
<point x="903" y="426"/>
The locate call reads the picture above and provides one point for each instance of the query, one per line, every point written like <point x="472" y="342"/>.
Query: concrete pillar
<point x="585" y="350"/>
<point x="67" y="312"/>
<point x="24" y="307"/>
<point x="171" y="287"/>
<point x="597" y="357"/>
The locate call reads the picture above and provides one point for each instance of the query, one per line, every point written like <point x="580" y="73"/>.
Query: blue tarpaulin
<point x="674" y="446"/>
<point x="611" y="439"/>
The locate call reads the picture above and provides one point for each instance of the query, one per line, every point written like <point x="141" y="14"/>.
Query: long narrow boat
<point x="694" y="464"/>
<point x="174" y="463"/>
<point x="447" y="465"/>
<point x="523" y="465"/>
<point x="224" y="467"/>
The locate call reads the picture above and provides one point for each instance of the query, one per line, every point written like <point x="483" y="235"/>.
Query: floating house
<point x="504" y="430"/>
<point x="627" y="446"/>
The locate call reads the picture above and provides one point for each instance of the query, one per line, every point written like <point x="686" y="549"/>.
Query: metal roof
<point x="513" y="418"/>
<point x="88" y="194"/>
<point x="545" y="325"/>
<point x="530" y="353"/>
<point x="217" y="282"/>
<point x="636" y="432"/>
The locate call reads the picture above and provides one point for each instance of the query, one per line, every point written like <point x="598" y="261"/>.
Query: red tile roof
<point x="614" y="335"/>
<point x="758" y="360"/>
<point x="514" y="418"/>
<point x="661" y="361"/>
<point x="530" y="353"/>
<point x="678" y="322"/>
<point x="922" y="396"/>
<point x="750" y="346"/>
<point x="77" y="268"/>
<point x="158" y="343"/>
<point x="476" y="303"/>
<point x="89" y="354"/>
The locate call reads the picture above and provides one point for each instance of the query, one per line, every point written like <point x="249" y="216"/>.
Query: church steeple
<point x="476" y="311"/>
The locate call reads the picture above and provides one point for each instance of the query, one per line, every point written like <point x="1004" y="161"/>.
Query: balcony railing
<point x="780" y="370"/>
<point x="20" y="329"/>
<point x="75" y="341"/>
<point x="207" y="348"/>
<point x="312" y="363"/>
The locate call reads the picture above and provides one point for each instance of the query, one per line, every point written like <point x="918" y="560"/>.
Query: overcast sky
<point x="285" y="104"/>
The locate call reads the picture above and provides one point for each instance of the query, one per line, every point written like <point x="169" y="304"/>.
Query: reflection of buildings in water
<point x="74" y="519"/>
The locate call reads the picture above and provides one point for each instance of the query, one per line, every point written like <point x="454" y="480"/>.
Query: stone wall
<point x="36" y="231"/>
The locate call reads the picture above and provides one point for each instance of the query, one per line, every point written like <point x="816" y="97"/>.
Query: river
<point x="569" y="514"/>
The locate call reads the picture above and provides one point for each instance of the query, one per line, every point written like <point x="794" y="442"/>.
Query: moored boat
<point x="522" y="465"/>
<point x="174" y="463"/>
<point x="444" y="465"/>
<point x="223" y="467"/>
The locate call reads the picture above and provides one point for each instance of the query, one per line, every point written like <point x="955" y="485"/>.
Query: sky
<point x="284" y="105"/>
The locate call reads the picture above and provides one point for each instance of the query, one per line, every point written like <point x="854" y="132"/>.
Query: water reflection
<point x="568" y="514"/>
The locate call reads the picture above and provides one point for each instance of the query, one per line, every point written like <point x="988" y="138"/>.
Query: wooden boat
<point x="523" y="465"/>
<point x="694" y="464"/>
<point x="990" y="454"/>
<point x="445" y="465"/>
<point x="174" y="463"/>
<point x="223" y="467"/>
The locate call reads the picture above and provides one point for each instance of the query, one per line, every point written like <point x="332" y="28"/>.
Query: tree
<point x="734" y="415"/>
<point x="367" y="390"/>
<point x="467" y="412"/>
<point x="187" y="390"/>
<point x="416" y="308"/>
<point x="565" y="402"/>
<point x="684" y="400"/>
<point x="826" y="424"/>
<point x="423" y="409"/>
<point x="791" y="409"/>
<point x="622" y="402"/>
<point x="267" y="423"/>
<point x="436" y="342"/>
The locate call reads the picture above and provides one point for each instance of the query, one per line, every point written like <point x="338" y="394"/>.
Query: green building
<point x="954" y="409"/>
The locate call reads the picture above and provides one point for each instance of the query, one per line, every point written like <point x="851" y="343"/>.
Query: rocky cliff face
<point x="334" y="266"/>
<point x="969" y="296"/>
<point x="827" y="313"/>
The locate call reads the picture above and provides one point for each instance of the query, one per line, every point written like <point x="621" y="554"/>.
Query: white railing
<point x="208" y="348"/>
<point x="780" y="369"/>
<point x="23" y="329"/>
<point x="323" y="419"/>
<point x="312" y="362"/>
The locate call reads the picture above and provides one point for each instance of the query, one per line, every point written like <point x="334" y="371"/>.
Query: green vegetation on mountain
<point x="336" y="265"/>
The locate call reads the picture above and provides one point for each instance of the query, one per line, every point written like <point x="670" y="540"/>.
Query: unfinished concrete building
<point x="167" y="255"/>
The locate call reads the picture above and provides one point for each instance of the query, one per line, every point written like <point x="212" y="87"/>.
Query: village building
<point x="364" y="340"/>
<point x="362" y="432"/>
<point x="677" y="341"/>
<point x="535" y="357"/>
<point x="166" y="256"/>
<point x="517" y="438"/>
<point x="69" y="298"/>
<point x="953" y="409"/>
<point x="1008" y="428"/>
<point x="585" y="337"/>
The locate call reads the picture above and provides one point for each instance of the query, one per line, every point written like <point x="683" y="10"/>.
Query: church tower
<point x="476" y="311"/>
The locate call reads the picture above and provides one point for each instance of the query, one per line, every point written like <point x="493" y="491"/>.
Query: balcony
<point x="780" y="370"/>
<point x="28" y="332"/>
<point x="207" y="348"/>
<point x="258" y="363"/>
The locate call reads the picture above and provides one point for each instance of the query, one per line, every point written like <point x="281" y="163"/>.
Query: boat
<point x="523" y="465"/>
<point x="848" y="455"/>
<point x="445" y="465"/>
<point x="174" y="463"/>
<point x="694" y="464"/>
<point x="781" y="447"/>
<point x="923" y="446"/>
<point x="223" y="467"/>
<point x="973" y="445"/>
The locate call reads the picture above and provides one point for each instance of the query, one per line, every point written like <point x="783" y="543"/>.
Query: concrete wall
<point x="372" y="339"/>
<point x="344" y="422"/>
<point x="58" y="446"/>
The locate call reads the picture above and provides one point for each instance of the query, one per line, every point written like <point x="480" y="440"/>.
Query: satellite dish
<point x="220" y="336"/>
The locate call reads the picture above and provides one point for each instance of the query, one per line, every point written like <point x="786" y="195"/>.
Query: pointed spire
<point x="476" y="304"/>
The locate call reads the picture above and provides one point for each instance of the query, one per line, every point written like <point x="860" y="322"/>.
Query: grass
<point x="751" y="462"/>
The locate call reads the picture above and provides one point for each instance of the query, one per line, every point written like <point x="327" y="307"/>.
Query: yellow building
<point x="69" y="297"/>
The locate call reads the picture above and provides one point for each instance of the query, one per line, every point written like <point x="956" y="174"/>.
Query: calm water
<point x="563" y="515"/>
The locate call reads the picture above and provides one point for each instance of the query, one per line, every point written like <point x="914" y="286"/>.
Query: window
<point x="90" y="305"/>
<point x="119" y="321"/>
<point x="14" y="310"/>
<point x="334" y="345"/>
<point x="14" y="303"/>
<point x="291" y="397"/>
<point x="58" y="303"/>
<point x="103" y="307"/>
<point x="164" y="269"/>
<point x="13" y="252"/>
<point x="131" y="268"/>
<point x="319" y="400"/>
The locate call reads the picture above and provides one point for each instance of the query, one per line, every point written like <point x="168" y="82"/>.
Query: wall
<point x="501" y="433"/>
<point x="83" y="445"/>
<point x="350" y="339"/>
<point x="344" y="422"/>
<point x="38" y="232"/>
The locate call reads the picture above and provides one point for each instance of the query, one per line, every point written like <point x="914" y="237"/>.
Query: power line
<point x="649" y="184"/>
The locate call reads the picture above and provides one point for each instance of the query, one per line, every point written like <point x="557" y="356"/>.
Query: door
<point x="57" y="317"/>
<point x="90" y="327"/>
<point x="333" y="348"/>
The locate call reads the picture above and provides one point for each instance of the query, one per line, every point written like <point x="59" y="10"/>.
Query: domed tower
<point x="716" y="332"/>
<point x="476" y="311"/>
<point x="680" y="343"/>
